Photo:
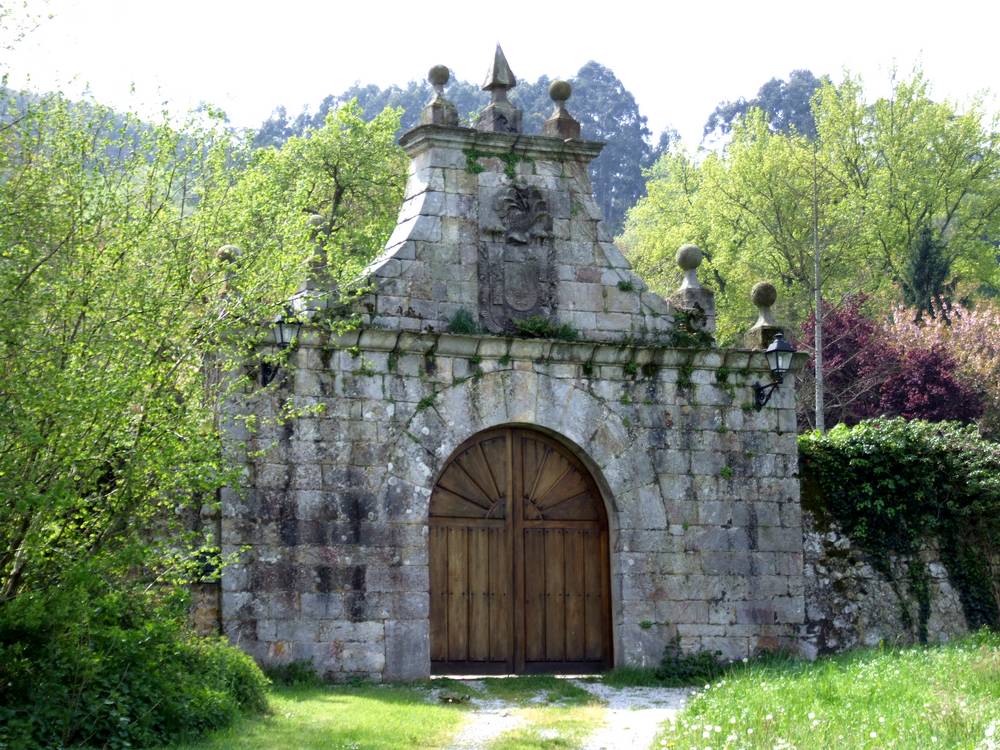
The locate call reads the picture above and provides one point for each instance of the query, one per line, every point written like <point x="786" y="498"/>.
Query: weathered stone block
<point x="407" y="650"/>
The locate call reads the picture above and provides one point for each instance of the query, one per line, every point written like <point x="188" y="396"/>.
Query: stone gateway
<point x="580" y="484"/>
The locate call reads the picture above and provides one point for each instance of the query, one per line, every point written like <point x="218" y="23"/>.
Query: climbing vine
<point x="894" y="484"/>
<point x="510" y="161"/>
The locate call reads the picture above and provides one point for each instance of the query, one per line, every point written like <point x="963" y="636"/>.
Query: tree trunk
<point x="818" y="316"/>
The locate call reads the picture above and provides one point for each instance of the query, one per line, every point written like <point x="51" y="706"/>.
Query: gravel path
<point x="632" y="718"/>
<point x="634" y="715"/>
<point x="488" y="720"/>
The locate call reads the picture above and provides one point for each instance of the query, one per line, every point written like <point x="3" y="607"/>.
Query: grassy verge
<point x="536" y="689"/>
<point x="945" y="696"/>
<point x="552" y="727"/>
<point x="365" y="717"/>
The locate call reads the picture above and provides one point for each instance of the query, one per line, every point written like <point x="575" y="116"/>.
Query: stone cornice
<point x="540" y="147"/>
<point x="551" y="350"/>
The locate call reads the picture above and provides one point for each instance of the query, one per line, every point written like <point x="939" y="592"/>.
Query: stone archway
<point x="519" y="560"/>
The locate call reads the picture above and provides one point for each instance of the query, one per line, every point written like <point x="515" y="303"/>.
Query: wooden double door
<point x="518" y="559"/>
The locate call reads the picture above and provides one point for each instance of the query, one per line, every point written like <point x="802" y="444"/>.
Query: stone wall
<point x="852" y="602"/>
<point x="703" y="503"/>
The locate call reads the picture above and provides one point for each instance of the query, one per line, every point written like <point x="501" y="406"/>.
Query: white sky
<point x="678" y="59"/>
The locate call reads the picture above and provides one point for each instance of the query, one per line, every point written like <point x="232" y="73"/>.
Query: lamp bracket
<point x="762" y="394"/>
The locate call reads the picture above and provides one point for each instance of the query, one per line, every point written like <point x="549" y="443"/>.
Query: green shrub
<point x="294" y="674"/>
<point x="892" y="484"/>
<point x="112" y="669"/>
<point x="677" y="669"/>
<point x="462" y="322"/>
<point x="540" y="327"/>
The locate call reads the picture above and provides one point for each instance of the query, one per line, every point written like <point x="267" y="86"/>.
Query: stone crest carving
<point x="516" y="259"/>
<point x="524" y="213"/>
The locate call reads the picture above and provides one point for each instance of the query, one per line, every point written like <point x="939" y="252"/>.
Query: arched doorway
<point x="518" y="559"/>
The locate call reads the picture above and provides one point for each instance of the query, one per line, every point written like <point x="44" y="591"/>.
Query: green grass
<point x="342" y="718"/>
<point x="621" y="677"/>
<point x="558" y="713"/>
<point x="535" y="688"/>
<point x="552" y="727"/>
<point x="924" y="697"/>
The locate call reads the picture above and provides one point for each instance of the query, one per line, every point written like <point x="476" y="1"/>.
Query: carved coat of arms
<point x="515" y="263"/>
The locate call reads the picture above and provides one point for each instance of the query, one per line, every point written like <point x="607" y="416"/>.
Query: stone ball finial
<point x="763" y="294"/>
<point x="560" y="91"/>
<point x="689" y="257"/>
<point x="439" y="75"/>
<point x="228" y="254"/>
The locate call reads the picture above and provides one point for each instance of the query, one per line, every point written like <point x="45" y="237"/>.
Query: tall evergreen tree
<point x="786" y="105"/>
<point x="925" y="275"/>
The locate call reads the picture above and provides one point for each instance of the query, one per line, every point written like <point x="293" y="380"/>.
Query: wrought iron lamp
<point x="285" y="331"/>
<point x="779" y="360"/>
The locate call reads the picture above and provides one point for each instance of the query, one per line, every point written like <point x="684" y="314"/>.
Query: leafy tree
<point x="925" y="386"/>
<point x="971" y="337"/>
<point x="346" y="176"/>
<point x="857" y="359"/>
<point x="111" y="298"/>
<point x="785" y="104"/>
<point x="869" y="371"/>
<point x="878" y="174"/>
<point x="118" y="317"/>
<point x="751" y="209"/>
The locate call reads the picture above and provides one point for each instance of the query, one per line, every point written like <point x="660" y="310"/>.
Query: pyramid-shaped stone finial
<point x="499" y="116"/>
<point x="500" y="76"/>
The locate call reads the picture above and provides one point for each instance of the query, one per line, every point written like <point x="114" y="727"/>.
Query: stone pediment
<point x="504" y="227"/>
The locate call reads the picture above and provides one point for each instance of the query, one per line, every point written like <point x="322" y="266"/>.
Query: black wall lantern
<point x="285" y="331"/>
<point x="779" y="360"/>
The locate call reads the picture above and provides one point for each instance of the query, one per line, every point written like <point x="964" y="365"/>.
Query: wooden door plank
<point x="458" y="594"/>
<point x="495" y="454"/>
<point x="499" y="596"/>
<point x="516" y="550"/>
<point x="602" y="558"/>
<point x="437" y="543"/>
<point x="534" y="452"/>
<point x="456" y="480"/>
<point x="553" y="472"/>
<point x="593" y="597"/>
<point x="555" y="595"/>
<point x="575" y="596"/>
<point x="479" y="589"/>
<point x="534" y="598"/>
<point x="582" y="507"/>
<point x="516" y="583"/>
<point x="570" y="486"/>
<point x="446" y="504"/>
<point x="471" y="523"/>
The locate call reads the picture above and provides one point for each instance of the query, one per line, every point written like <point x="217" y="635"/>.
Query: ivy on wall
<point x="894" y="484"/>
